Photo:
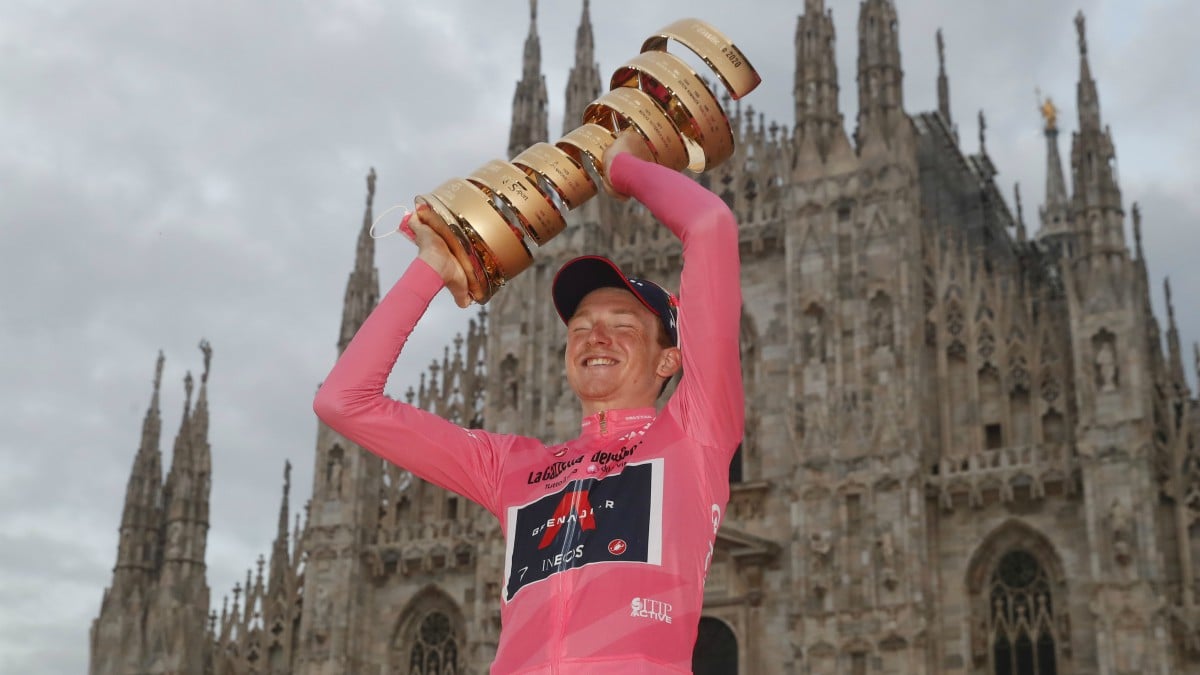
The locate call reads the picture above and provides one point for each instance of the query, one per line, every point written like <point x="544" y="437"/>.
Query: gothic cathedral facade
<point x="968" y="450"/>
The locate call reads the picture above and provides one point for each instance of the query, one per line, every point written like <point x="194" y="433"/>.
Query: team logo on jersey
<point x="645" y="608"/>
<point x="552" y="471"/>
<point x="591" y="520"/>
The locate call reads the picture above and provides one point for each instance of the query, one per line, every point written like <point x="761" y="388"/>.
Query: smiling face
<point x="614" y="358"/>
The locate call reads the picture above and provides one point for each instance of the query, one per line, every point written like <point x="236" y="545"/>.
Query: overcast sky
<point x="171" y="171"/>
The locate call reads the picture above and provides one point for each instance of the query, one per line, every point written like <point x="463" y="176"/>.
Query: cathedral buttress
<point x="344" y="505"/>
<point x="1096" y="202"/>
<point x="881" y="118"/>
<point x="1114" y="391"/>
<point x="819" y="134"/>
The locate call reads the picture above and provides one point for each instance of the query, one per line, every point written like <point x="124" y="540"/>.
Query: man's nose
<point x="598" y="334"/>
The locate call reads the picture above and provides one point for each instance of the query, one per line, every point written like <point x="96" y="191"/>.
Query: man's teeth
<point x="599" y="361"/>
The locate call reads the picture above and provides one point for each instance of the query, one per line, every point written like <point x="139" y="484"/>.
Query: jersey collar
<point x="609" y="422"/>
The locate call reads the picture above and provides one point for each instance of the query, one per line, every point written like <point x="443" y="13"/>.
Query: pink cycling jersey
<point x="608" y="536"/>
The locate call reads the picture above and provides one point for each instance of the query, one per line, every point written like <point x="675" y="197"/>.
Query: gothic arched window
<point x="1021" y="620"/>
<point x="434" y="650"/>
<point x="716" y="650"/>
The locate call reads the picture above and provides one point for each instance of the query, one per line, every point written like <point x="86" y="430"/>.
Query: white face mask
<point x="401" y="225"/>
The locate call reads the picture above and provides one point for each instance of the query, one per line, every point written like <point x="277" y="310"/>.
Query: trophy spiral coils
<point x="490" y="218"/>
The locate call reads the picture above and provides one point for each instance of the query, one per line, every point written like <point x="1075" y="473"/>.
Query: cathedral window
<point x="858" y="663"/>
<point x="993" y="437"/>
<point x="1021" y="622"/>
<point x="716" y="650"/>
<point x="434" y="651"/>
<point x="429" y="636"/>
<point x="854" y="519"/>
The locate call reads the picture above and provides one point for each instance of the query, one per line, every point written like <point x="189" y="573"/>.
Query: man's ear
<point x="669" y="362"/>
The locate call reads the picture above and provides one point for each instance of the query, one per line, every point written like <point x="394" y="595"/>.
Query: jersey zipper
<point x="603" y="423"/>
<point x="560" y="628"/>
<point x="564" y="598"/>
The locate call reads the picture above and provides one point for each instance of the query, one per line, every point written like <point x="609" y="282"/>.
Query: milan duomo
<point x="970" y="446"/>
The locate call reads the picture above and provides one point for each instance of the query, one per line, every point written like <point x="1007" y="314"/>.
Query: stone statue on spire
<point x="1080" y="28"/>
<point x="206" y="348"/>
<point x="158" y="371"/>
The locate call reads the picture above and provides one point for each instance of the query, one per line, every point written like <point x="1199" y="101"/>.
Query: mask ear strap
<point x="402" y="228"/>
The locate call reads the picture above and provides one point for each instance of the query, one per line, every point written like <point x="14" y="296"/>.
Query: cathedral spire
<point x="982" y="133"/>
<point x="819" y="127"/>
<point x="880" y="78"/>
<point x="583" y="84"/>
<point x="987" y="169"/>
<point x="1088" y="98"/>
<point x="362" y="289"/>
<point x="1173" y="348"/>
<point x="1053" y="214"/>
<point x="1137" y="231"/>
<point x="199" y="429"/>
<point x="141" y="517"/>
<point x="186" y="495"/>
<point x="175" y="489"/>
<point x="529" y="118"/>
<point x="280" y="553"/>
<point x="943" y="83"/>
<point x="1142" y="277"/>
<point x="1096" y="203"/>
<point x="1022" y="236"/>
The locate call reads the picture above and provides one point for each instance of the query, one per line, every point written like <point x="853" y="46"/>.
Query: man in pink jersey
<point x="608" y="536"/>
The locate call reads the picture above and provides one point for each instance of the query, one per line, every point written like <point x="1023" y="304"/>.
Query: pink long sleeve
<point x="351" y="401"/>
<point x="709" y="400"/>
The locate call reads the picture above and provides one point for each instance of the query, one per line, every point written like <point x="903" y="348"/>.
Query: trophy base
<point x="490" y="249"/>
<point x="446" y="226"/>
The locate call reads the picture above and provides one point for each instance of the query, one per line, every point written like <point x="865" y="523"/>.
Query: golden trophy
<point x="490" y="218"/>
